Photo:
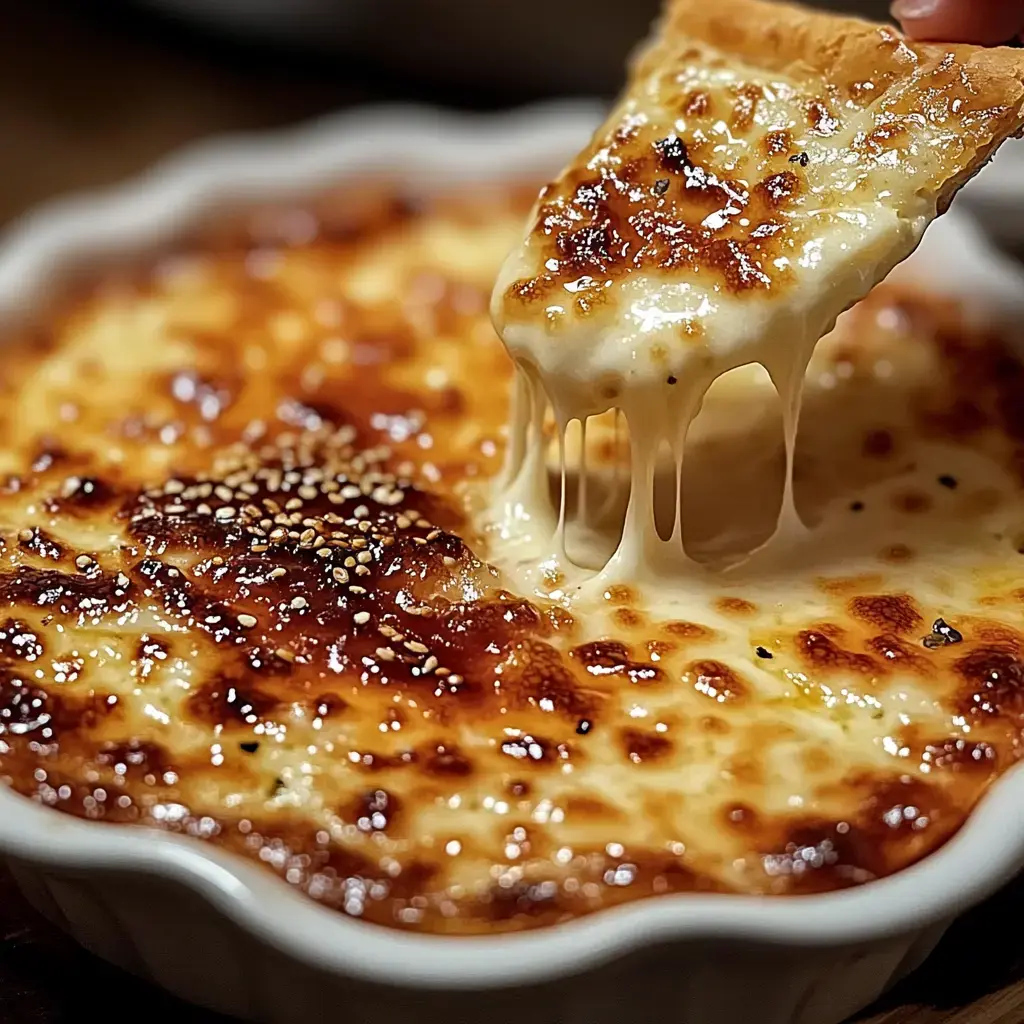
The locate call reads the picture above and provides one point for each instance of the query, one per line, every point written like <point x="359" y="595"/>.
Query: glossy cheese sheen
<point x="245" y="596"/>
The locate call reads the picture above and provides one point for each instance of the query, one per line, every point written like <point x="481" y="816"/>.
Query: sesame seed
<point x="340" y="575"/>
<point x="25" y="535"/>
<point x="362" y="570"/>
<point x="361" y="618"/>
<point x="83" y="561"/>
<point x="298" y="603"/>
<point x="276" y="574"/>
<point x="385" y="654"/>
<point x="247" y="621"/>
<point x="364" y="557"/>
<point x="284" y="654"/>
<point x="225" y="513"/>
<point x="416" y="647"/>
<point x="429" y="665"/>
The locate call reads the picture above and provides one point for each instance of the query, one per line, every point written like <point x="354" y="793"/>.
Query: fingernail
<point x="914" y="10"/>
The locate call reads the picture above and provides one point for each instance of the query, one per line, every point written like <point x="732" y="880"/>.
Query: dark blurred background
<point x="93" y="90"/>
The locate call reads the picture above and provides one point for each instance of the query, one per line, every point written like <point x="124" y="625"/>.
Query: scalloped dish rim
<point x="129" y="218"/>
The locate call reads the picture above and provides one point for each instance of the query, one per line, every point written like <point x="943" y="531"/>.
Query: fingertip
<point x="985" y="22"/>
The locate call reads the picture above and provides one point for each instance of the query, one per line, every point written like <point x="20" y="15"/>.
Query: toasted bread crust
<point x="802" y="42"/>
<point x="760" y="99"/>
<point x="859" y="60"/>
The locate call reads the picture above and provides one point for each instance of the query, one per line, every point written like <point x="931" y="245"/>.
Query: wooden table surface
<point x="89" y="94"/>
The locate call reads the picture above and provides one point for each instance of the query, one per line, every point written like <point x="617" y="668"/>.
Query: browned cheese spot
<point x="897" y="553"/>
<point x="896" y="613"/>
<point x="912" y="502"/>
<point x="825" y="655"/>
<point x="604" y="658"/>
<point x="716" y="680"/>
<point x="878" y="444"/>
<point x="641" y="747"/>
<point x="735" y="606"/>
<point x="992" y="682"/>
<point x="688" y="631"/>
<point x="627" y="618"/>
<point x="777" y="143"/>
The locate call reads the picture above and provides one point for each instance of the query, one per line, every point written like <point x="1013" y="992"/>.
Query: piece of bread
<point x="764" y="168"/>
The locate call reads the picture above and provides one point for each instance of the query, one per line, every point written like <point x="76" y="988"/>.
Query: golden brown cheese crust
<point x="240" y="601"/>
<point x="743" y="121"/>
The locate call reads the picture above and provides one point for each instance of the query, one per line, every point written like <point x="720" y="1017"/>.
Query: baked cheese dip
<point x="271" y="578"/>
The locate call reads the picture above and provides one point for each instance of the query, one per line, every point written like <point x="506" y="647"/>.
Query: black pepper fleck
<point x="763" y="652"/>
<point x="583" y="727"/>
<point x="673" y="153"/>
<point x="661" y="186"/>
<point x="948" y="481"/>
<point x="673" y="380"/>
<point x="942" y="634"/>
<point x="800" y="158"/>
<point x="857" y="506"/>
<point x="249" y="748"/>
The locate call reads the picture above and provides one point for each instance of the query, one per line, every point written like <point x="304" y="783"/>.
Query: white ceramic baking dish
<point x="221" y="932"/>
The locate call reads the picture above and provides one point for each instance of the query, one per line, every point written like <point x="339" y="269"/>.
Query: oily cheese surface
<point x="245" y="596"/>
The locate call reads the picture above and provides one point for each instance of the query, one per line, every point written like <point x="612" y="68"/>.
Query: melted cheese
<point x="205" y="629"/>
<point x="740" y="196"/>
